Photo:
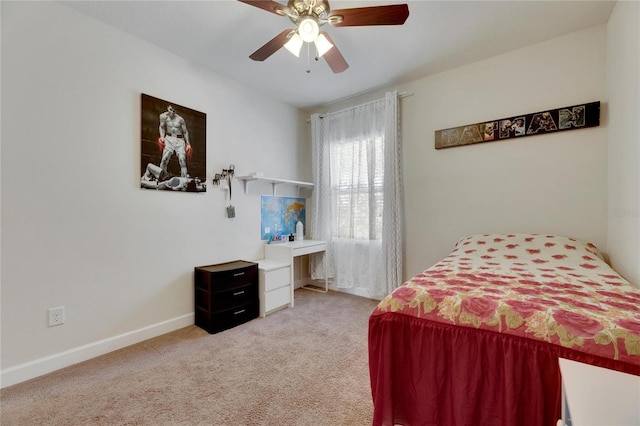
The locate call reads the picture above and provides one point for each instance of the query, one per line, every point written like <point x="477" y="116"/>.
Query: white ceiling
<point x="438" y="35"/>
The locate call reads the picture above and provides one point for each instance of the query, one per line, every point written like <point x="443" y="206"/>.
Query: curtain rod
<point x="401" y="95"/>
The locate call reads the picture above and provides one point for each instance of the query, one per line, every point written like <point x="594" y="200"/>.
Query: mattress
<point x="493" y="317"/>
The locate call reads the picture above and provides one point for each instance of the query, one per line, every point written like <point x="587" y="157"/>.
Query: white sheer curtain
<point x="393" y="211"/>
<point x="357" y="200"/>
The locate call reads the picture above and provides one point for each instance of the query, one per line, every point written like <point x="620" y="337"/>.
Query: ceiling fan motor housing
<point x="317" y="9"/>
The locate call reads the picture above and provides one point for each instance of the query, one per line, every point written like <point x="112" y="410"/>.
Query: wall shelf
<point x="274" y="182"/>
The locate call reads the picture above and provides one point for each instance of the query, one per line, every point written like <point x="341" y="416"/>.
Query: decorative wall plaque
<point x="519" y="126"/>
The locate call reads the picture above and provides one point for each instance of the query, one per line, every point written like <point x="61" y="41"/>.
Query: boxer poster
<point x="173" y="146"/>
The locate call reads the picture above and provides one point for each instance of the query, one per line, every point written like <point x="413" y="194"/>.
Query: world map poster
<point x="279" y="215"/>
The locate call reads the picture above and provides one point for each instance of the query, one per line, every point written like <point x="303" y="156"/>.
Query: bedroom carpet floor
<point x="301" y="366"/>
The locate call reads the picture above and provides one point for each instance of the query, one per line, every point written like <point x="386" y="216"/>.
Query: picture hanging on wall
<point x="519" y="126"/>
<point x="173" y="146"/>
<point x="279" y="216"/>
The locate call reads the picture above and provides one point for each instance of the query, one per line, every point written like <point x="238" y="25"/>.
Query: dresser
<point x="225" y="295"/>
<point x="276" y="288"/>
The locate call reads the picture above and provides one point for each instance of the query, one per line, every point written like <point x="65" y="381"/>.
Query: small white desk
<point x="285" y="252"/>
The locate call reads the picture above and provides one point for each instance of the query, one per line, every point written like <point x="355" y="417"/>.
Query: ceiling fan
<point x="310" y="15"/>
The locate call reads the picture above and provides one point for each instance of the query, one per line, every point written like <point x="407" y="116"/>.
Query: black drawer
<point x="224" y="320"/>
<point x="235" y="297"/>
<point x="230" y="318"/>
<point x="226" y="276"/>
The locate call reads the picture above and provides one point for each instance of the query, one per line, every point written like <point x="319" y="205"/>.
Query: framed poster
<point x="173" y="146"/>
<point x="279" y="215"/>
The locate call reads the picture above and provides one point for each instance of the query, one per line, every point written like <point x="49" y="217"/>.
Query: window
<point x="357" y="178"/>
<point x="357" y="203"/>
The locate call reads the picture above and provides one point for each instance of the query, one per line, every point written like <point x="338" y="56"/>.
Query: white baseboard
<point x="29" y="370"/>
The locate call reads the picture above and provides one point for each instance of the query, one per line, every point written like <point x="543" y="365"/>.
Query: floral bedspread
<point x="550" y="288"/>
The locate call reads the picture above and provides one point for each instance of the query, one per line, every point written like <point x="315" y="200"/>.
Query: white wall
<point x="553" y="183"/>
<point x="623" y="89"/>
<point x="77" y="230"/>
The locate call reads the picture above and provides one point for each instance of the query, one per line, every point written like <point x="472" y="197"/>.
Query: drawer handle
<point x="238" y="274"/>
<point x="239" y="312"/>
<point x="238" y="293"/>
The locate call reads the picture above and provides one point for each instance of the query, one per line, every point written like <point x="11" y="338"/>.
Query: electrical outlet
<point x="56" y="316"/>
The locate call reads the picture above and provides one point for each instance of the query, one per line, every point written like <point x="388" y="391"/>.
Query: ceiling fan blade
<point x="395" y="14"/>
<point x="271" y="47"/>
<point x="334" y="58"/>
<point x="268" y="5"/>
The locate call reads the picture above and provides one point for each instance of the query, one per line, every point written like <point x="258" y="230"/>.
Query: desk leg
<point x="293" y="282"/>
<point x="326" y="279"/>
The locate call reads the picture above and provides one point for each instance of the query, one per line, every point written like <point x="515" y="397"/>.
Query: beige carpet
<point x="301" y="366"/>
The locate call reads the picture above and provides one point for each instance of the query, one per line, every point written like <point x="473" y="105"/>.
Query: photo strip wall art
<point x="519" y="126"/>
<point x="173" y="146"/>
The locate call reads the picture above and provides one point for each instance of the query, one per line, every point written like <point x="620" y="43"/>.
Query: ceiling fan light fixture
<point x="322" y="45"/>
<point x="308" y="29"/>
<point x="294" y="45"/>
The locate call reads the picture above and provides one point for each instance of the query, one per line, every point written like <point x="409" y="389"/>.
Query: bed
<point x="476" y="338"/>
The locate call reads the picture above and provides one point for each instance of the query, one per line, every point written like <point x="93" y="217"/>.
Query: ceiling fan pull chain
<point x="308" y="58"/>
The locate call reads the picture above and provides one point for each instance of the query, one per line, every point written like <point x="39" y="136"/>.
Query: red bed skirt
<point x="429" y="373"/>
